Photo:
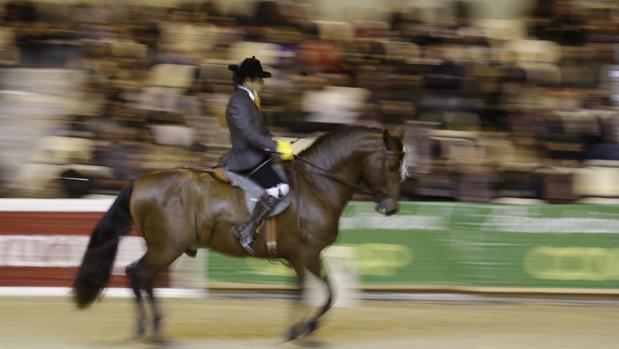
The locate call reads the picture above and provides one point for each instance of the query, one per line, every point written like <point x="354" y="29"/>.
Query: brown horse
<point x="180" y="210"/>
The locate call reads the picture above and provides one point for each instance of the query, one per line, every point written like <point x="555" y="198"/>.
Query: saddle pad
<point x="253" y="191"/>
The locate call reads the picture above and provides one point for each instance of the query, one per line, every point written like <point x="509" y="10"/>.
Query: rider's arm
<point x="239" y="116"/>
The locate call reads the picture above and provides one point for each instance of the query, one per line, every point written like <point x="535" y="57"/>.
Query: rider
<point x="252" y="145"/>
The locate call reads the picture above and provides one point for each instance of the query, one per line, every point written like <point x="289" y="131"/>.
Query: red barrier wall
<point x="42" y="248"/>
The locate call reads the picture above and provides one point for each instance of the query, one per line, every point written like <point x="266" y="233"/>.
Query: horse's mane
<point x="341" y="142"/>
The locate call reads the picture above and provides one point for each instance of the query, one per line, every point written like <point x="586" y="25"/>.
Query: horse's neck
<point x="340" y="155"/>
<point x="334" y="191"/>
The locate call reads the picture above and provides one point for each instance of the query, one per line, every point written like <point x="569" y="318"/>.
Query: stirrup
<point x="245" y="241"/>
<point x="246" y="245"/>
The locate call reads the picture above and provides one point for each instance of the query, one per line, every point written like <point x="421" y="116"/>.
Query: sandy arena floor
<point x="240" y="323"/>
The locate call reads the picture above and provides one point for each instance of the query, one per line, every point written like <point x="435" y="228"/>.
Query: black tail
<point x="94" y="273"/>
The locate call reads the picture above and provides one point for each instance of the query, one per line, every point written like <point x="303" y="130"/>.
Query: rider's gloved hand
<point x="284" y="149"/>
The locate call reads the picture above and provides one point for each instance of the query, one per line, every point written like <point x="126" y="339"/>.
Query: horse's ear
<point x="386" y="137"/>
<point x="390" y="141"/>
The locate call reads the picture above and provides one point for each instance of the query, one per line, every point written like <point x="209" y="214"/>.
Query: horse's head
<point x="382" y="174"/>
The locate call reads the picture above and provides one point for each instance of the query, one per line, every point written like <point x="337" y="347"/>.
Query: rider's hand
<point x="284" y="149"/>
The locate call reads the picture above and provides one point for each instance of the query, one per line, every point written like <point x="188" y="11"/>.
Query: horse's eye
<point x="393" y="168"/>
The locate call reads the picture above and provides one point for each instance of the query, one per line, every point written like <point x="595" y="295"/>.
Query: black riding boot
<point x="245" y="232"/>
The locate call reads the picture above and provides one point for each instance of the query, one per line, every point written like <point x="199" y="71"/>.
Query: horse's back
<point x="156" y="185"/>
<point x="182" y="192"/>
<point x="176" y="183"/>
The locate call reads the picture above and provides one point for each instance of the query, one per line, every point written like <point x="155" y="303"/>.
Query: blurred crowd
<point x="526" y="109"/>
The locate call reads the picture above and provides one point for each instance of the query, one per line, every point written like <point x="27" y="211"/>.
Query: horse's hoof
<point x="313" y="343"/>
<point x="310" y="326"/>
<point x="156" y="326"/>
<point x="292" y="334"/>
<point x="140" y="330"/>
<point x="160" y="341"/>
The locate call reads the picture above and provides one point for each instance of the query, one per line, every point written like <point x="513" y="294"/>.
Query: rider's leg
<point x="283" y="189"/>
<point x="276" y="190"/>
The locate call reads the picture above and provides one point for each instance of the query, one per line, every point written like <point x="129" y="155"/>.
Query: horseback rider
<point x="253" y="146"/>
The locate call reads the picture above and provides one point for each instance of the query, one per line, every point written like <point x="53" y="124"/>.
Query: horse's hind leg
<point x="142" y="275"/>
<point x="135" y="282"/>
<point x="156" y="313"/>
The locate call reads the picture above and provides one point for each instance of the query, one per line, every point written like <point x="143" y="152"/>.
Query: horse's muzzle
<point x="388" y="207"/>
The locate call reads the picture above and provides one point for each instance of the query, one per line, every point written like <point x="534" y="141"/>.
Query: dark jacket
<point x="250" y="138"/>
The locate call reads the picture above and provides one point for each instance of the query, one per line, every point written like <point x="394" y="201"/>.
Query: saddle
<point x="219" y="174"/>
<point x="252" y="193"/>
<point x="251" y="190"/>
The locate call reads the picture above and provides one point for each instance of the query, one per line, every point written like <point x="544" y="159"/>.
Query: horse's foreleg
<point x="316" y="268"/>
<point x="298" y="308"/>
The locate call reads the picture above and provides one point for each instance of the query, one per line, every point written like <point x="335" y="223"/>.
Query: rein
<point x="350" y="184"/>
<point x="334" y="177"/>
<point x="326" y="174"/>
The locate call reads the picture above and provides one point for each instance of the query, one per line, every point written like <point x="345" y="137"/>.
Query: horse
<point x="180" y="210"/>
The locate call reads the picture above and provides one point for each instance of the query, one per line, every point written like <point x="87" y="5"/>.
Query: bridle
<point x="378" y="194"/>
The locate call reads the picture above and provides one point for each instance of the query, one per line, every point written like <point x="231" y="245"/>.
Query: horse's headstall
<point x="404" y="173"/>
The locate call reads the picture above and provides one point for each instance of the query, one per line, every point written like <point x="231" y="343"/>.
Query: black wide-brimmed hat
<point x="250" y="67"/>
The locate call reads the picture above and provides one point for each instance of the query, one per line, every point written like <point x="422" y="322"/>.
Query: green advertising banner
<point x="469" y="245"/>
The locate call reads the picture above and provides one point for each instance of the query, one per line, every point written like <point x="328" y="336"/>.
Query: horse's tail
<point x="96" y="268"/>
